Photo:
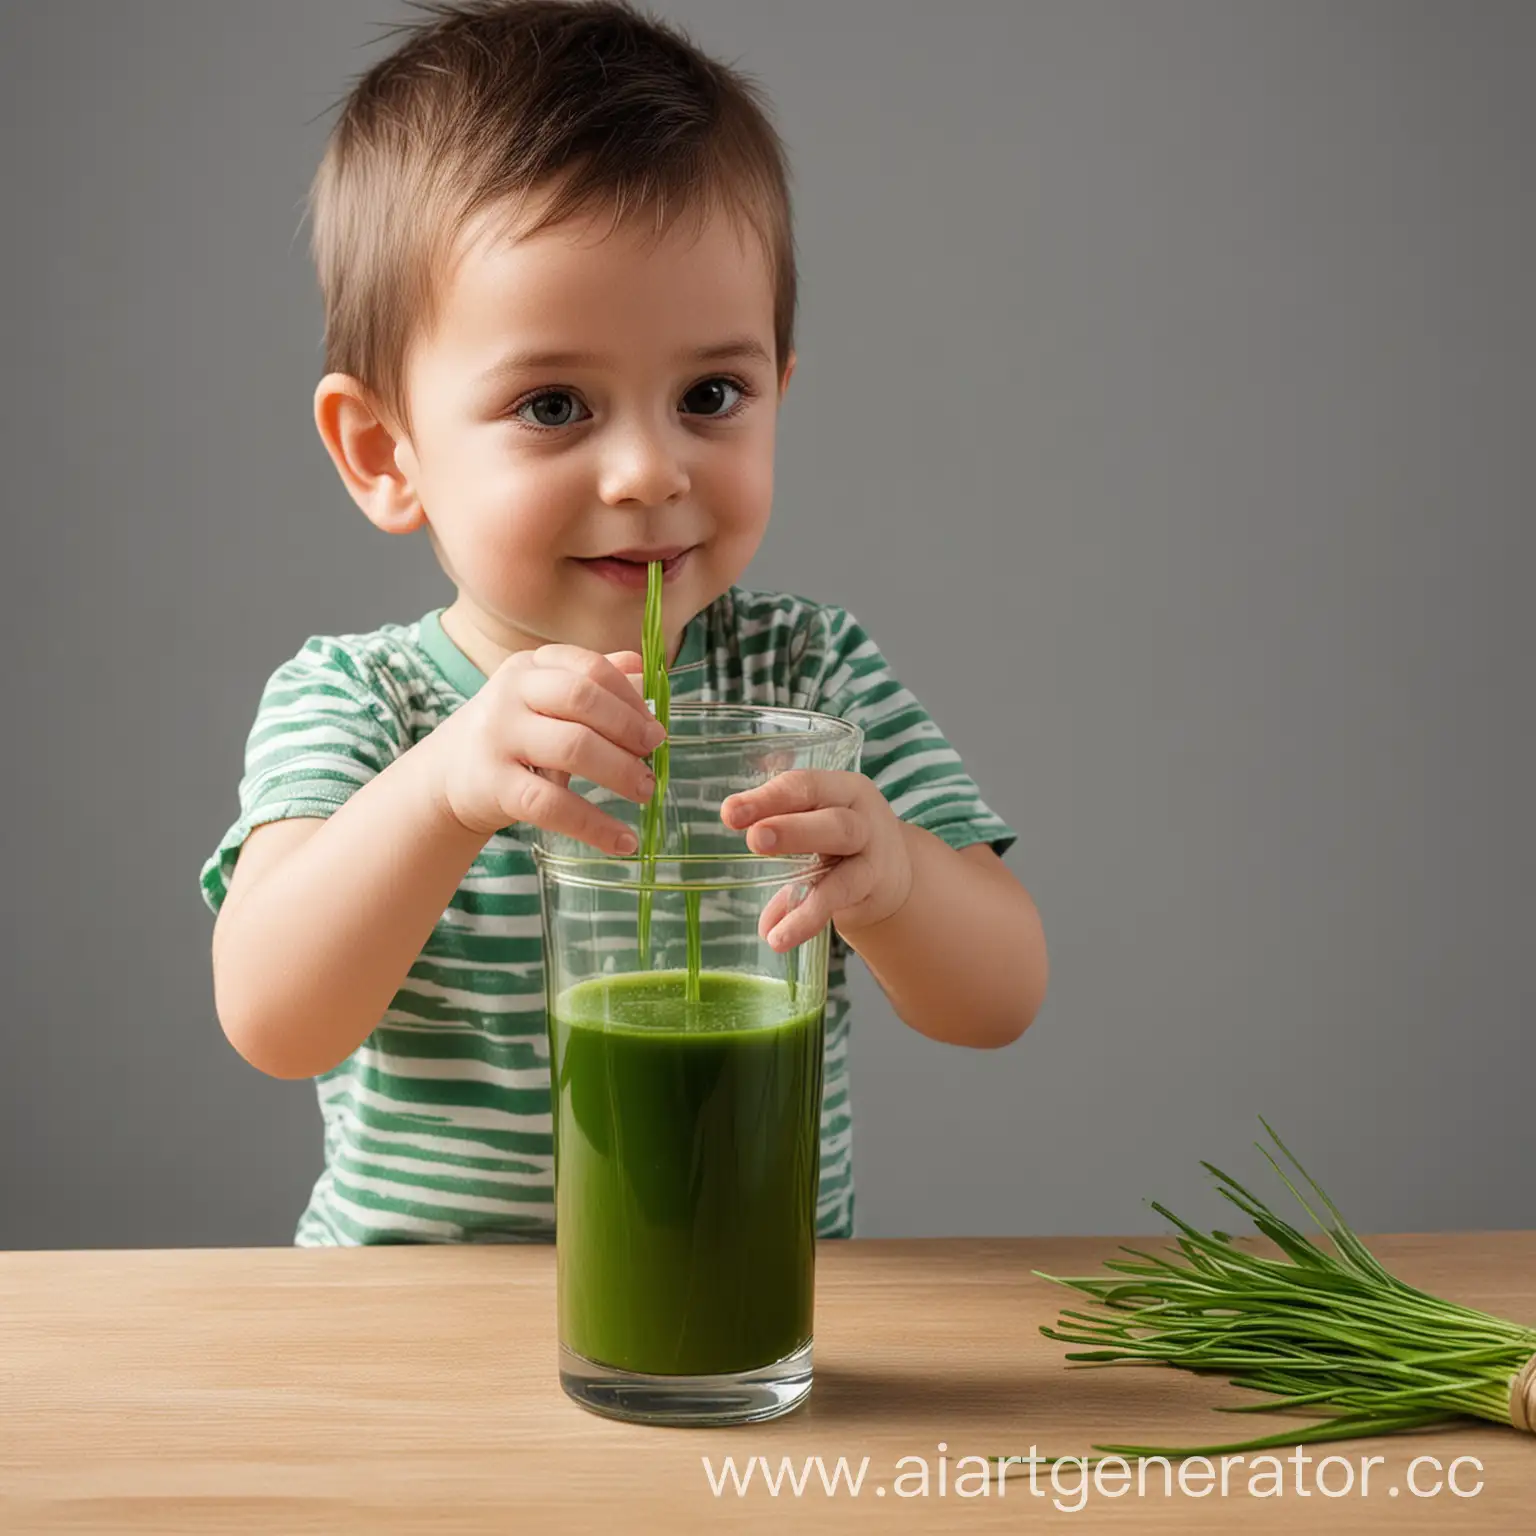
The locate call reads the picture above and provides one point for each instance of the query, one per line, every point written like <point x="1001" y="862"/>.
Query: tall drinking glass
<point x="686" y="1064"/>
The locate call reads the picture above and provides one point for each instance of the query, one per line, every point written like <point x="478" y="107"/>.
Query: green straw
<point x="691" y="900"/>
<point x="658" y="690"/>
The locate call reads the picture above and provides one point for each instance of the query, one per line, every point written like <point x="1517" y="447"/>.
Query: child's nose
<point x="643" y="468"/>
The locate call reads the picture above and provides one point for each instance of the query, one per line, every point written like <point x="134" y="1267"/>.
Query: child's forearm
<point x="964" y="959"/>
<point x="324" y="919"/>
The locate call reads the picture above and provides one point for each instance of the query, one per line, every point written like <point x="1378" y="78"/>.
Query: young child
<point x="555" y="250"/>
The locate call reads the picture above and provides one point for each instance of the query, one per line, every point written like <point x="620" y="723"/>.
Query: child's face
<point x="584" y="394"/>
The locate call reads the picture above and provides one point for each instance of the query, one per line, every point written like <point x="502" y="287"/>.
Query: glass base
<point x="735" y="1397"/>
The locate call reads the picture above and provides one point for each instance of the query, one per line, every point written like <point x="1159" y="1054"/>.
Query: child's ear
<point x="372" y="456"/>
<point x="789" y="368"/>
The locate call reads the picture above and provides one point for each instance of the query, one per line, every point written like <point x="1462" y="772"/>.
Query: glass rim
<point x="807" y="725"/>
<point x="575" y="869"/>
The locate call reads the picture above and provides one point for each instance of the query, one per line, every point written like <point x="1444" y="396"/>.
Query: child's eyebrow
<point x="740" y="348"/>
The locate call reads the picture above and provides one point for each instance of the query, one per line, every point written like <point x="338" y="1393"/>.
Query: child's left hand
<point x="845" y="819"/>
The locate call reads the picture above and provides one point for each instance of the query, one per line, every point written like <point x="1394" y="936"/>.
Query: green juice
<point x="687" y="1149"/>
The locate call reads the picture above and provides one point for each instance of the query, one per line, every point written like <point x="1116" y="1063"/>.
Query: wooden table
<point x="406" y="1389"/>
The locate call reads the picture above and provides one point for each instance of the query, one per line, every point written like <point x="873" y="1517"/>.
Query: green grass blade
<point x="653" y="670"/>
<point x="1334" y="1334"/>
<point x="1358" y="1427"/>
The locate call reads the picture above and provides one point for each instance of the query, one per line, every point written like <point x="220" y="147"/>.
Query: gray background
<point x="1164" y="410"/>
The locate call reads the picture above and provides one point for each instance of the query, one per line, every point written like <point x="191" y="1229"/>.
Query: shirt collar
<point x="468" y="679"/>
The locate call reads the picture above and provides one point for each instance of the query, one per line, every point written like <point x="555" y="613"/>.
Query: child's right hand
<point x="509" y="753"/>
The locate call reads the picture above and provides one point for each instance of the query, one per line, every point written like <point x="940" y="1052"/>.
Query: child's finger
<point x="796" y="927"/>
<point x="588" y="664"/>
<point x="789" y="898"/>
<point x="799" y="789"/>
<point x="631" y="664"/>
<point x="575" y="748"/>
<point x="618" y="718"/>
<point x="532" y="797"/>
<point x="834" y="832"/>
<point x="783" y="902"/>
<point x="843" y="885"/>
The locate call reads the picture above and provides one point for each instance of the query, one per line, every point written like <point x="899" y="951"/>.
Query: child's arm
<point x="963" y="959"/>
<point x="952" y="937"/>
<point x="324" y="918"/>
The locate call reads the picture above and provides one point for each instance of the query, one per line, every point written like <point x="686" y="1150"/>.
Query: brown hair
<point x="493" y="100"/>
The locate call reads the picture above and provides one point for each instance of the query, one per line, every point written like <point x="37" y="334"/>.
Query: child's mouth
<point x="633" y="573"/>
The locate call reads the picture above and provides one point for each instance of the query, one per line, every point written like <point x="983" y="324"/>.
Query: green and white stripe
<point x="437" y="1128"/>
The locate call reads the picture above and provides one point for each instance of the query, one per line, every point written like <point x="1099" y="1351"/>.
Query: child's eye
<point x="550" y="408"/>
<point x="712" y="397"/>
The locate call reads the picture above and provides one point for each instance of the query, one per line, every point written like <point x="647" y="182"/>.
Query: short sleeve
<point x="326" y="724"/>
<point x="843" y="673"/>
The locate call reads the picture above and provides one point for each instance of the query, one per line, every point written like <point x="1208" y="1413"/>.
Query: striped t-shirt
<point x="437" y="1128"/>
